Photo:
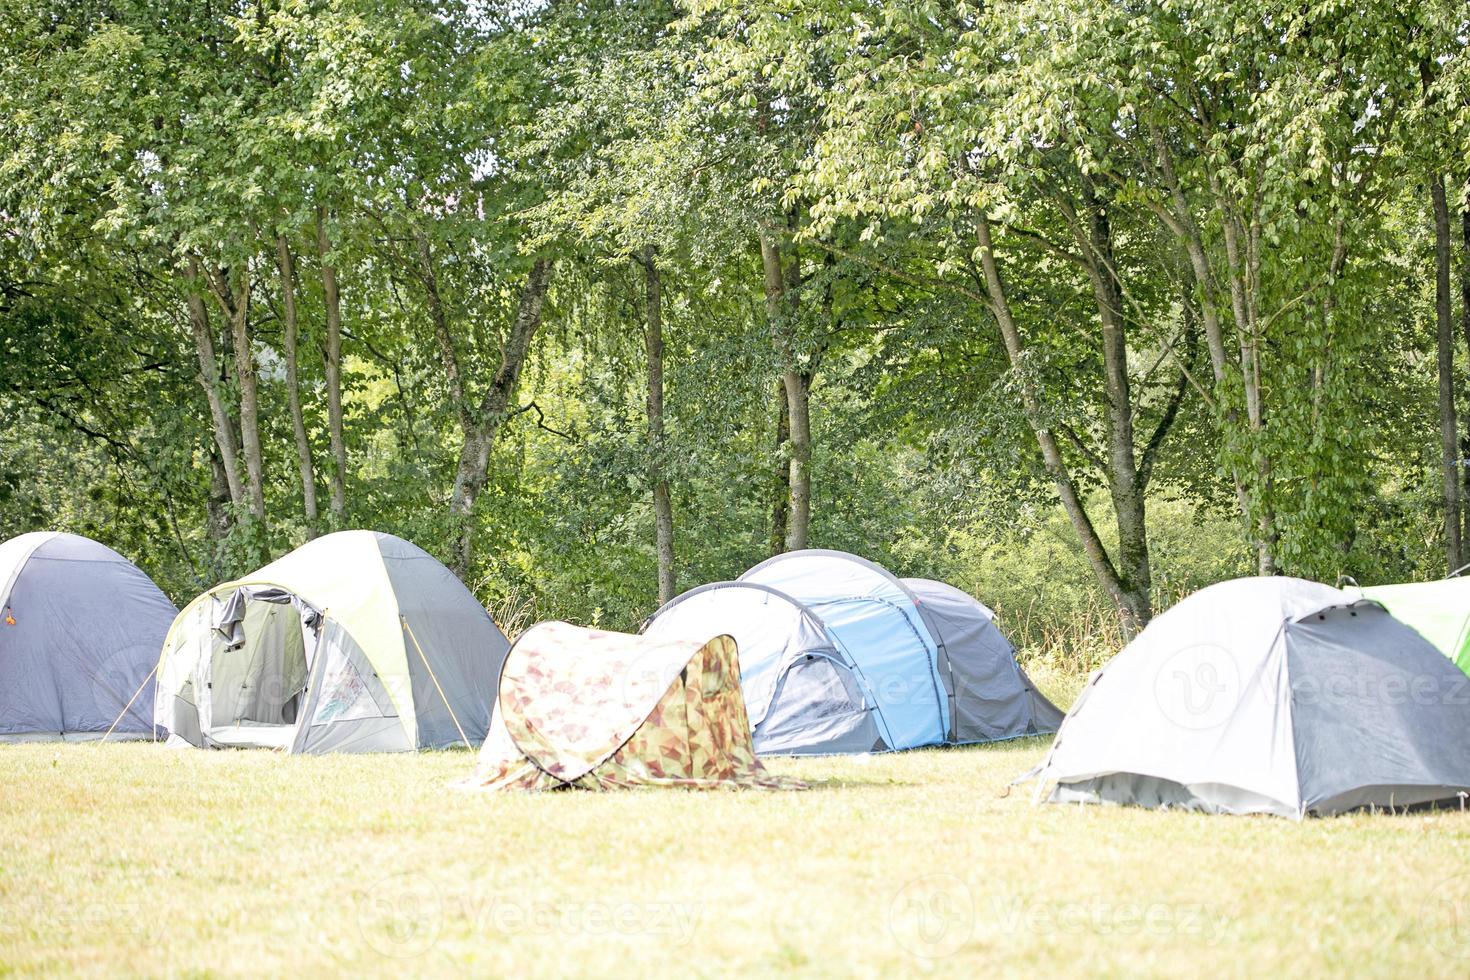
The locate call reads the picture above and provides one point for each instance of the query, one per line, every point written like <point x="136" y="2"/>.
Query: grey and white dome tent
<point x="357" y="641"/>
<point x="1268" y="695"/>
<point x="838" y="656"/>
<point x="80" y="631"/>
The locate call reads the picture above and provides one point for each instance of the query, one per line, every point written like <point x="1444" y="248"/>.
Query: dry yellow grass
<point x="136" y="859"/>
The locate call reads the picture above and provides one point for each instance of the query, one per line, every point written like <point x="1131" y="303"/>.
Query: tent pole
<point x="118" y="720"/>
<point x="409" y="630"/>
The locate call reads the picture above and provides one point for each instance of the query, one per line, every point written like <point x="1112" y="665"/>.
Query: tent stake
<point x="118" y="720"/>
<point x="409" y="630"/>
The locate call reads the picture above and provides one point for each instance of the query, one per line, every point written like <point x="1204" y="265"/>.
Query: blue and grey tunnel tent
<point x="992" y="696"/>
<point x="839" y="656"/>
<point x="803" y="692"/>
<point x="80" y="631"/>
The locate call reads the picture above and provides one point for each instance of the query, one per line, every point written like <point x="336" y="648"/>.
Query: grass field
<point x="137" y="859"/>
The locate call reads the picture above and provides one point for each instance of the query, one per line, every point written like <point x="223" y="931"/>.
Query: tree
<point x="663" y="506"/>
<point x="286" y="267"/>
<point x="931" y="181"/>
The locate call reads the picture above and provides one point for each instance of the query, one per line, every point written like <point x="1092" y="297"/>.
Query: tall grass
<point x="514" y="612"/>
<point x="1046" y="598"/>
<point x="1081" y="641"/>
<point x="1078" y="643"/>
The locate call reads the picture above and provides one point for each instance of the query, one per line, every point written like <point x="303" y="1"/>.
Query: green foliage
<point x="142" y="140"/>
<point x="1037" y="580"/>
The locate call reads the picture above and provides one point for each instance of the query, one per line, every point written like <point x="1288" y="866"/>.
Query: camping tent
<point x="837" y="655"/>
<point x="805" y="694"/>
<point x="872" y="615"/>
<point x="596" y="710"/>
<point x="1440" y="611"/>
<point x="991" y="698"/>
<point x="80" y="630"/>
<point x="355" y="642"/>
<point x="1268" y="695"/>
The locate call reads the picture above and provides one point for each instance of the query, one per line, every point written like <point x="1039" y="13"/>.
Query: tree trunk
<point x="217" y="509"/>
<point x="333" y="359"/>
<point x="1465" y="330"/>
<point x="1180" y="220"/>
<point x="1127" y="491"/>
<point x="474" y="459"/>
<point x="1051" y="452"/>
<point x="1239" y="257"/>
<point x="663" y="506"/>
<point x="439" y="317"/>
<point x="235" y="301"/>
<point x="781" y="495"/>
<point x="797" y="386"/>
<point x="249" y="401"/>
<point x="293" y="383"/>
<point x="1465" y="275"/>
<point x="798" y="399"/>
<point x="225" y="439"/>
<point x="1445" y="338"/>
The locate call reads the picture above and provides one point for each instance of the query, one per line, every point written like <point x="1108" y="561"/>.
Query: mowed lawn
<point x="137" y="859"/>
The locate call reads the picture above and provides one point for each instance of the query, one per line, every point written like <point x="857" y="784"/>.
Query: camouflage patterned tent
<point x="598" y="710"/>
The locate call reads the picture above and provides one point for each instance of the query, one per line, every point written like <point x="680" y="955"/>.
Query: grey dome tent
<point x="838" y="656"/>
<point x="1268" y="695"/>
<point x="355" y="642"/>
<point x="991" y="695"/>
<point x="80" y="631"/>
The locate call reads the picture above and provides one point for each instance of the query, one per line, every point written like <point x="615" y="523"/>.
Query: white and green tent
<point x="1438" y="611"/>
<point x="355" y="642"/>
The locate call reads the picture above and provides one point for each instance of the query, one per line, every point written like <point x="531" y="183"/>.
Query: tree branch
<point x="541" y="421"/>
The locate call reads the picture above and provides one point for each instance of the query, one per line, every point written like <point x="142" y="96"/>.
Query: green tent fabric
<point x="1438" y="611"/>
<point x="355" y="642"/>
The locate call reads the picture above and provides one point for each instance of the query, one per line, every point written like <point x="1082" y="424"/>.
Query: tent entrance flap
<point x="347" y="706"/>
<point x="819" y="707"/>
<point x="255" y="678"/>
